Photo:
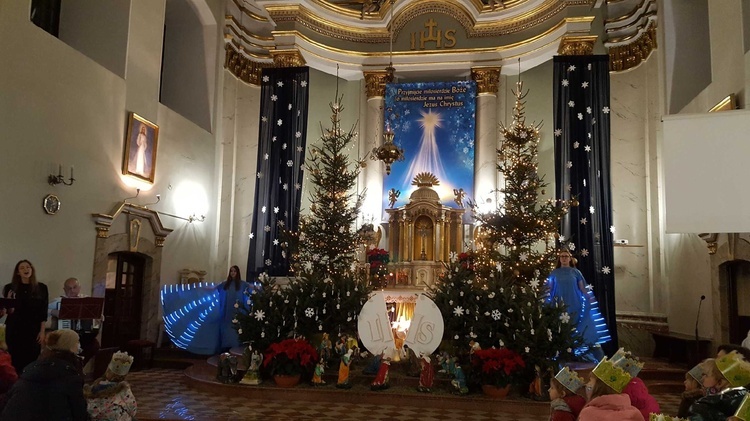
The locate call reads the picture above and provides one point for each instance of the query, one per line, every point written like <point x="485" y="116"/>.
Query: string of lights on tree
<point x="520" y="237"/>
<point x="326" y="292"/>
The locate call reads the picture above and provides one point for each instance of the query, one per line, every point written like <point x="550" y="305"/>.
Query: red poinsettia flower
<point x="498" y="367"/>
<point x="290" y="357"/>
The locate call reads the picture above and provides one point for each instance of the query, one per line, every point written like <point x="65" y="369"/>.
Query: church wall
<point x="727" y="56"/>
<point x="685" y="256"/>
<point x="59" y="107"/>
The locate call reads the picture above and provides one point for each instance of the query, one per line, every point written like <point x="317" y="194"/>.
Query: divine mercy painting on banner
<point x="434" y="123"/>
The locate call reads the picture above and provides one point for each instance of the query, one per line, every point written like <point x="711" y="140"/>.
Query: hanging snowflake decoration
<point x="458" y="311"/>
<point x="565" y="317"/>
<point x="309" y="312"/>
<point x="496" y="314"/>
<point x="260" y="315"/>
<point x="606" y="270"/>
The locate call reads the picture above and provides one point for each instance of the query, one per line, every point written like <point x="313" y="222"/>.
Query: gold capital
<point x="577" y="45"/>
<point x="375" y="82"/>
<point x="160" y="241"/>
<point x="487" y="79"/>
<point x="287" y="58"/>
<point x="102" y="232"/>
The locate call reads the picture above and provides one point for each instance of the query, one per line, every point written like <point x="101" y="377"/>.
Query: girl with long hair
<point x="233" y="295"/>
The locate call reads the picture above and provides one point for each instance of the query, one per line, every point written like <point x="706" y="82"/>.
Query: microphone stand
<point x="697" y="340"/>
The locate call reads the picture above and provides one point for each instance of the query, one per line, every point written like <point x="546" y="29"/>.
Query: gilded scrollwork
<point x="624" y="57"/>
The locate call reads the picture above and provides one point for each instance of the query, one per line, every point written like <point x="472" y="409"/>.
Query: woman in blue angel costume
<point x="233" y="295"/>
<point x="200" y="317"/>
<point x="567" y="284"/>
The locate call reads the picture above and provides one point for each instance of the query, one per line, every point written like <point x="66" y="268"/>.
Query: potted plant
<point x="289" y="359"/>
<point x="497" y="369"/>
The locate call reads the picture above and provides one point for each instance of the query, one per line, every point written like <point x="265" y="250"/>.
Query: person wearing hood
<point x="50" y="388"/>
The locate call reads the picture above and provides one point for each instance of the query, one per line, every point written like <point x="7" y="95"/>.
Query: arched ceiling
<point x="426" y="37"/>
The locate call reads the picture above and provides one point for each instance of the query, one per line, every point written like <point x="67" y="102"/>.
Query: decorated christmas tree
<point x="326" y="293"/>
<point x="495" y="295"/>
<point x="521" y="235"/>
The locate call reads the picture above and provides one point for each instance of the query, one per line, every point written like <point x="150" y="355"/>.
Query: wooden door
<point x="122" y="301"/>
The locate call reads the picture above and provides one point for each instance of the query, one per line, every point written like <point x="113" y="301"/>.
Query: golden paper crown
<point x="120" y="363"/>
<point x="570" y="379"/>
<point x="619" y="370"/>
<point x="743" y="412"/>
<point x="734" y="368"/>
<point x="662" y="417"/>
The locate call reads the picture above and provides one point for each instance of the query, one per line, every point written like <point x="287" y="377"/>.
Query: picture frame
<point x="139" y="158"/>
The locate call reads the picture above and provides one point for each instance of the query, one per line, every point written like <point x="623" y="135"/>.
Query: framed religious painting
<point x="139" y="159"/>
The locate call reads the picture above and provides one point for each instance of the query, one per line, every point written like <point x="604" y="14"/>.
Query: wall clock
<point x="51" y="204"/>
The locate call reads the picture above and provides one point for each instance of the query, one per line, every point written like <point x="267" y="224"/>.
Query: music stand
<point x="88" y="308"/>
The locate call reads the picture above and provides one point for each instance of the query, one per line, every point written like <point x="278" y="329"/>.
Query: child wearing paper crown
<point x="8" y="375"/>
<point x="728" y="374"/>
<point x="636" y="389"/>
<point x="693" y="388"/>
<point x="604" y="391"/>
<point x="565" y="403"/>
<point x="110" y="397"/>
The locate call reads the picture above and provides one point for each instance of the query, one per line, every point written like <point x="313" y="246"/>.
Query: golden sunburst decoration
<point x="425" y="179"/>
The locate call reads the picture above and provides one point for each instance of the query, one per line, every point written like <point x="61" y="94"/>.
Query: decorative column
<point x="447" y="242"/>
<point x="410" y="238"/>
<point x="438" y="254"/>
<point x="485" y="151"/>
<point x="402" y="239"/>
<point x="371" y="137"/>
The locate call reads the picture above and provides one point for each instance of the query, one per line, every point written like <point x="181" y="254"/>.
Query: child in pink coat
<point x="605" y="403"/>
<point x="604" y="392"/>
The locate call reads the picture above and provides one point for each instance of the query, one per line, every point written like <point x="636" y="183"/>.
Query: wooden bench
<point x="681" y="348"/>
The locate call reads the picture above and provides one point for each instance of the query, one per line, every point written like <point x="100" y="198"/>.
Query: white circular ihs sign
<point x="425" y="331"/>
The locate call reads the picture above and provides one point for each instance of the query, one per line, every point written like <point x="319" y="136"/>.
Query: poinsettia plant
<point x="290" y="357"/>
<point x="497" y="366"/>
<point x="378" y="260"/>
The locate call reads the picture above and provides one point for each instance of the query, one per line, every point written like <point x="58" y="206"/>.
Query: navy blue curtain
<point x="281" y="153"/>
<point x="582" y="171"/>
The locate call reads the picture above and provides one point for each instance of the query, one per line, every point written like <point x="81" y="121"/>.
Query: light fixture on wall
<point x="54" y="180"/>
<point x="388" y="152"/>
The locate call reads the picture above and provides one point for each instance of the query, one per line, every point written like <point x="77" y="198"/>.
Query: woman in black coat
<point x="50" y="388"/>
<point x="25" y="323"/>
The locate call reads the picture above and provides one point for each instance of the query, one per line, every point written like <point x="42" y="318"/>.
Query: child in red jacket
<point x="565" y="403"/>
<point x="8" y="375"/>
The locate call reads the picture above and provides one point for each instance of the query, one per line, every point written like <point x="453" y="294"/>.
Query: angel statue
<point x="393" y="195"/>
<point x="459" y="199"/>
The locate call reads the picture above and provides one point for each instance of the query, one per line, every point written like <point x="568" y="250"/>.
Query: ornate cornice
<point x="104" y="221"/>
<point x="375" y="82"/>
<point x="242" y="67"/>
<point x="287" y="58"/>
<point x="474" y="29"/>
<point x="487" y="79"/>
<point x="577" y="45"/>
<point x="624" y="57"/>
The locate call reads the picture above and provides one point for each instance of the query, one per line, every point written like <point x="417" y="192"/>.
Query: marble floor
<point x="165" y="394"/>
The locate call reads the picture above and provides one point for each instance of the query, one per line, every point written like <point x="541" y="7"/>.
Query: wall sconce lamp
<point x="54" y="180"/>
